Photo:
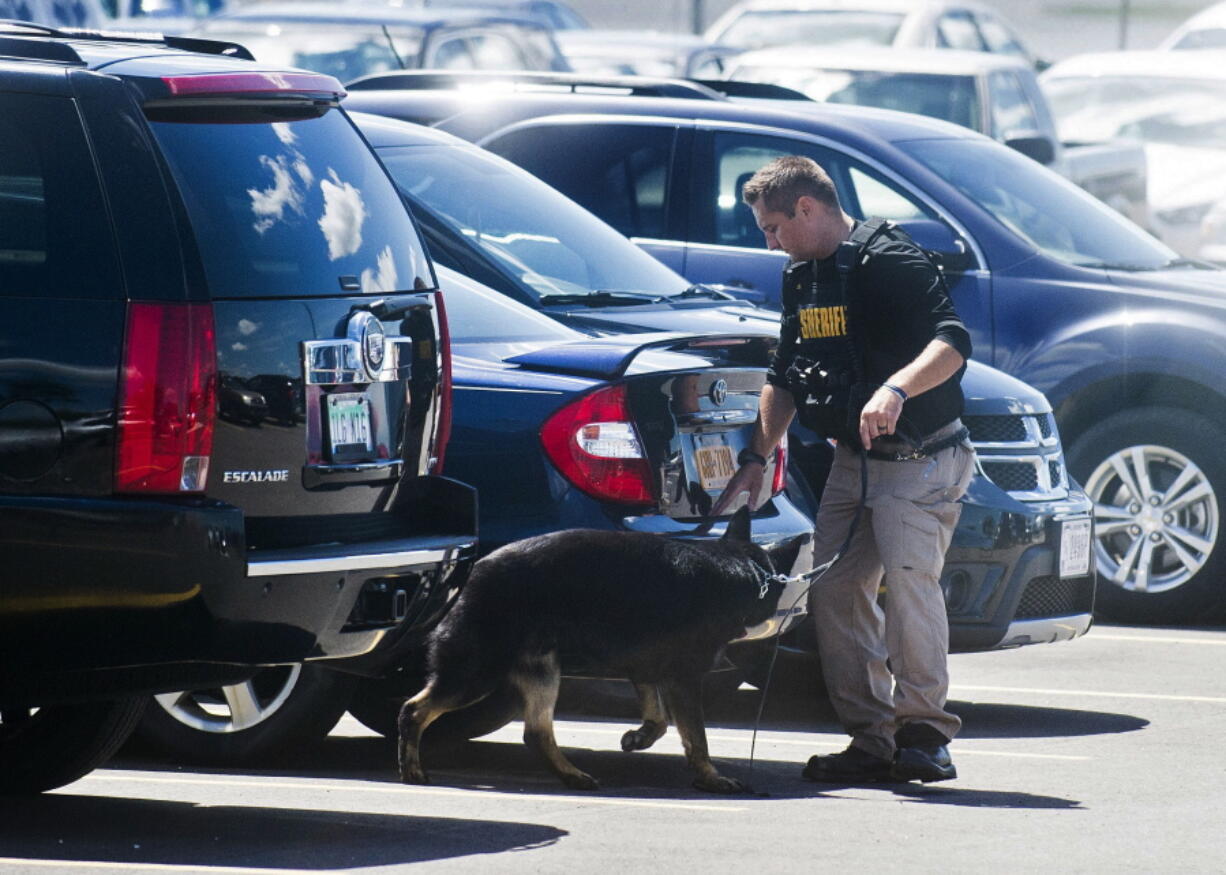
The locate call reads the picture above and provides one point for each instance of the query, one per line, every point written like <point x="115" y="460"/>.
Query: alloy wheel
<point x="235" y="707"/>
<point x="1155" y="517"/>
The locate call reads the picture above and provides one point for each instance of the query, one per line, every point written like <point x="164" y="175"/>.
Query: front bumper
<point x="1002" y="578"/>
<point x="114" y="596"/>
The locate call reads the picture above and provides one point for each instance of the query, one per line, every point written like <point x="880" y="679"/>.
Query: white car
<point x="56" y="13"/>
<point x="917" y="24"/>
<point x="1174" y="103"/>
<point x="993" y="94"/>
<point x="1204" y="30"/>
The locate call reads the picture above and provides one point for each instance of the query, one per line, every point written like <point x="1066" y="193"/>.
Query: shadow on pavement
<point x="982" y="720"/>
<point x="791" y="713"/>
<point x="143" y="831"/>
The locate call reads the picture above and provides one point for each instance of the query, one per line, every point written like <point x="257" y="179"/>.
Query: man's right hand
<point x="748" y="478"/>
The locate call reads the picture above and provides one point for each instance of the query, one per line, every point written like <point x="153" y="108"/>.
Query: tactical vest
<point x="827" y="376"/>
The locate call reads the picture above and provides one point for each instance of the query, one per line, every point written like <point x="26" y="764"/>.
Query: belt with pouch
<point x="923" y="451"/>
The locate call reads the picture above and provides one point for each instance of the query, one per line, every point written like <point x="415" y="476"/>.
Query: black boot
<point x="922" y="755"/>
<point x="851" y="766"/>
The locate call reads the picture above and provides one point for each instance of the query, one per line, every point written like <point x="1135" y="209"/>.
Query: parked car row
<point x="593" y="384"/>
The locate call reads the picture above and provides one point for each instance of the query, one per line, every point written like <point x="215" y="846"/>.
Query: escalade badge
<point x="281" y="476"/>
<point x="719" y="392"/>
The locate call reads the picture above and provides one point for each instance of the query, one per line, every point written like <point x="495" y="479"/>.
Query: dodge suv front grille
<point x="1055" y="597"/>
<point x="1020" y="454"/>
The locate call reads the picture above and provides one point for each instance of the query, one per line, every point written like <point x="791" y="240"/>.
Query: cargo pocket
<point x="912" y="537"/>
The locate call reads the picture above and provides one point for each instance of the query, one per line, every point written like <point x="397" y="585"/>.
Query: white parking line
<point x="23" y="862"/>
<point x="1157" y="639"/>
<point x="1097" y="694"/>
<point x="406" y="790"/>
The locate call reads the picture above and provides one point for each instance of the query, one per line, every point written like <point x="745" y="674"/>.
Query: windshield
<point x="1179" y="112"/>
<point x="950" y="98"/>
<point x="476" y="314"/>
<point x="823" y="27"/>
<point x="341" y="50"/>
<point x="1041" y="207"/>
<point x="288" y="202"/>
<point x="545" y="241"/>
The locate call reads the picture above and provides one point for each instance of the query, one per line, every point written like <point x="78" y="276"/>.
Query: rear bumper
<point x="110" y="596"/>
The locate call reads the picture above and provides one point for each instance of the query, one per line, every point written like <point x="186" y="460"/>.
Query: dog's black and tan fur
<point x="655" y="610"/>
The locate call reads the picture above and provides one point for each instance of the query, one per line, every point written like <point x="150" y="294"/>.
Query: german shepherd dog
<point x="654" y="610"/>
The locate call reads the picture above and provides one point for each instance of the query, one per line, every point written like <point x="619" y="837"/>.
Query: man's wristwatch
<point x="745" y="456"/>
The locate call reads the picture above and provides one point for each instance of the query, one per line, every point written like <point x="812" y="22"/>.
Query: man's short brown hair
<point x="785" y="180"/>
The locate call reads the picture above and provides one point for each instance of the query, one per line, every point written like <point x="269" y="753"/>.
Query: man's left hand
<point x="879" y="416"/>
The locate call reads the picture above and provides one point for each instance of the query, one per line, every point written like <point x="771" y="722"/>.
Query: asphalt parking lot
<point x="1103" y="754"/>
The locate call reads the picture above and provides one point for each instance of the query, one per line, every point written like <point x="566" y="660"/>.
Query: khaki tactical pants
<point x="887" y="668"/>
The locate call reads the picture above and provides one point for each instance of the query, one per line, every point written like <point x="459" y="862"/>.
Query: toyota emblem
<point x="719" y="392"/>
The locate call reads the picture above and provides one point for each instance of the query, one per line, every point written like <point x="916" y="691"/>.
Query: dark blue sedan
<point x="559" y="430"/>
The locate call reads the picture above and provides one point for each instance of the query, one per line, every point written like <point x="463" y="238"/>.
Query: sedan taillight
<point x="595" y="445"/>
<point x="167" y="399"/>
<point x="780" y="481"/>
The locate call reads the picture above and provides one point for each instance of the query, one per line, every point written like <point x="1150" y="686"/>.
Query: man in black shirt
<point x="883" y="333"/>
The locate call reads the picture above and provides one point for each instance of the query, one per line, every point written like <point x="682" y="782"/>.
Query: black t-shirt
<point x="899" y="304"/>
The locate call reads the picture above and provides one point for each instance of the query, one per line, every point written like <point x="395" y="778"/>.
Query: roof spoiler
<point x="528" y="81"/>
<point x="609" y="358"/>
<point x="764" y="90"/>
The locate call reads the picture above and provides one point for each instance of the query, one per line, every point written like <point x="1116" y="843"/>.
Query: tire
<point x="1158" y="539"/>
<point x="376" y="705"/>
<point x="264" y="718"/>
<point x="45" y="748"/>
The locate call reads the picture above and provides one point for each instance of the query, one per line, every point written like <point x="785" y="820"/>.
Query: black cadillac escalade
<point x="223" y="390"/>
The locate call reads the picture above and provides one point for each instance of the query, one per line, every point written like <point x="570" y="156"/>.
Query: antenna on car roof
<point x="387" y="35"/>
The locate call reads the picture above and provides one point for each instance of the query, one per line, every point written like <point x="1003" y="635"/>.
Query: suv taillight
<point x="595" y="445"/>
<point x="780" y="481"/>
<point x="442" y="424"/>
<point x="167" y="399"/>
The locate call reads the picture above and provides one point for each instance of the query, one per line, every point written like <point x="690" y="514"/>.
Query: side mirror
<point x="939" y="240"/>
<point x="1035" y="146"/>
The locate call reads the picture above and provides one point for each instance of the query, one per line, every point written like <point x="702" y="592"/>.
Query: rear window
<point x="288" y="203"/>
<point x="55" y="237"/>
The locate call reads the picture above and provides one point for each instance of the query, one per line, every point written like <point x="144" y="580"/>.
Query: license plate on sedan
<point x="349" y="432"/>
<point x="715" y="466"/>
<point x="1075" y="548"/>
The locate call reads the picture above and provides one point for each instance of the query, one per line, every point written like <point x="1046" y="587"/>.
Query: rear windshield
<point x="818" y="27"/>
<point x="548" y="243"/>
<point x="951" y="98"/>
<point x="345" y="51"/>
<point x="288" y="203"/>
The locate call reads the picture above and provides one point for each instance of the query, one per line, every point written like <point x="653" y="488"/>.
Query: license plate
<point x="1075" y="548"/>
<point x="349" y="432"/>
<point x="715" y="466"/>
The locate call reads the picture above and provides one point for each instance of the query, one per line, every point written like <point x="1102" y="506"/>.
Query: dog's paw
<point x="637" y="739"/>
<point x="414" y="776"/>
<point x="580" y="781"/>
<point x="720" y="784"/>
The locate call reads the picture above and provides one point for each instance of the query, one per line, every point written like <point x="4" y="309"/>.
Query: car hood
<point x="989" y="392"/>
<point x="1181" y="176"/>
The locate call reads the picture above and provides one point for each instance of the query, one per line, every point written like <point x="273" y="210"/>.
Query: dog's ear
<point x="739" y="527"/>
